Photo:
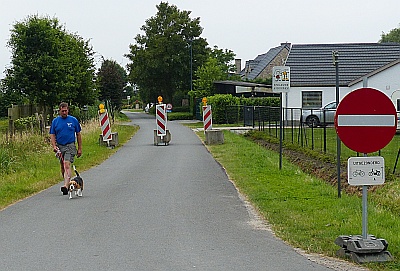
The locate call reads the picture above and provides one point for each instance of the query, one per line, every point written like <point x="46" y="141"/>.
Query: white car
<point x="319" y="117"/>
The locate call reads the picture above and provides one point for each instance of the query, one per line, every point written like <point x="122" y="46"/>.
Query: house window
<point x="311" y="99"/>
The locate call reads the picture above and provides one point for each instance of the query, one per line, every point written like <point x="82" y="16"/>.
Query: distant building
<point x="261" y="66"/>
<point x="245" y="89"/>
<point x="313" y="76"/>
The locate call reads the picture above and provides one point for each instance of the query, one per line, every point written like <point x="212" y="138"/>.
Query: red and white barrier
<point x="207" y="117"/>
<point x="161" y="120"/>
<point x="105" y="126"/>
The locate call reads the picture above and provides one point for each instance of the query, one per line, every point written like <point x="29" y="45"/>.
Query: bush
<point x="180" y="116"/>
<point x="226" y="108"/>
<point x="23" y="124"/>
<point x="181" y="109"/>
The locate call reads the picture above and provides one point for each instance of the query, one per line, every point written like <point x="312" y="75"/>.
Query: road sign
<point x="365" y="120"/>
<point x="366" y="170"/>
<point x="280" y="79"/>
<point x="169" y="108"/>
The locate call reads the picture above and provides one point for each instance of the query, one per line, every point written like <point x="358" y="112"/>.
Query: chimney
<point x="238" y="64"/>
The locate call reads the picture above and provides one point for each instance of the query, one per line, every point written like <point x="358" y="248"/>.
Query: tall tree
<point x="219" y="65"/>
<point x="392" y="36"/>
<point x="225" y="58"/>
<point x="112" y="80"/>
<point x="211" y="71"/>
<point x="161" y="58"/>
<point x="49" y="64"/>
<point x="7" y="98"/>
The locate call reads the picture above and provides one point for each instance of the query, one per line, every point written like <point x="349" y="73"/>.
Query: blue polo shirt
<point x="65" y="129"/>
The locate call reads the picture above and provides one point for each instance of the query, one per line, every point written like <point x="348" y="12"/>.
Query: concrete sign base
<point x="362" y="250"/>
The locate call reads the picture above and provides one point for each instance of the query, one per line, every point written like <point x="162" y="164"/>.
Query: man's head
<point x="63" y="110"/>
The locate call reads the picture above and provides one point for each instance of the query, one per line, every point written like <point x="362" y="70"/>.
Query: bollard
<point x="214" y="137"/>
<point x="162" y="139"/>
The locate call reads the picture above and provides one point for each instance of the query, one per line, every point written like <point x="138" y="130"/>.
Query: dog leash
<point x="60" y="156"/>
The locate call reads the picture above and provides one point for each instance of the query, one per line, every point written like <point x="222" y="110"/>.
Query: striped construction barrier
<point x="161" y="120"/>
<point x="105" y="126"/>
<point x="207" y="117"/>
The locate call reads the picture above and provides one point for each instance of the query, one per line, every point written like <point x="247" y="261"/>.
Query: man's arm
<point x="79" y="139"/>
<point x="53" y="142"/>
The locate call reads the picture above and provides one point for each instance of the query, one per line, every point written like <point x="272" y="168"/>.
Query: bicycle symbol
<point x="374" y="173"/>
<point x="358" y="172"/>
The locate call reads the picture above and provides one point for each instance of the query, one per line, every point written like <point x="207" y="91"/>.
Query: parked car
<point x="148" y="106"/>
<point x="319" y="117"/>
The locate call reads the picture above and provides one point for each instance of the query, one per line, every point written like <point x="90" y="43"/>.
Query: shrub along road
<point x="145" y="208"/>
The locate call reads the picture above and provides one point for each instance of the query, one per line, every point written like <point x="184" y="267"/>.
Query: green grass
<point x="305" y="137"/>
<point x="303" y="210"/>
<point x="3" y="125"/>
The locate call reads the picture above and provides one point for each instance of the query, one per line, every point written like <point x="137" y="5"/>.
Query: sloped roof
<point x="312" y="65"/>
<point x="257" y="65"/>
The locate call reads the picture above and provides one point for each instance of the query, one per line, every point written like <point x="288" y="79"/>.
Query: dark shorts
<point x="68" y="151"/>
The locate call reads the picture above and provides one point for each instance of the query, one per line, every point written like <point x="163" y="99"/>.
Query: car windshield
<point x="330" y="106"/>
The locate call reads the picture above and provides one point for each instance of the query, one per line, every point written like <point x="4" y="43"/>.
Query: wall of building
<point x="387" y="81"/>
<point x="279" y="60"/>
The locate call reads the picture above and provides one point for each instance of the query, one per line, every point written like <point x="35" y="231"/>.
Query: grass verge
<point x="302" y="210"/>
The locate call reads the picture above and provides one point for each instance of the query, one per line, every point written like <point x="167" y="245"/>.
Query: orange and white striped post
<point x="105" y="124"/>
<point x="207" y="115"/>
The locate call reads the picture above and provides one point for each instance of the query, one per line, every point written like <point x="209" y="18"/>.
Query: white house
<point x="313" y="74"/>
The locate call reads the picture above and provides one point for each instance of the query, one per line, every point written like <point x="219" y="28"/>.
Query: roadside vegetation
<point x="28" y="164"/>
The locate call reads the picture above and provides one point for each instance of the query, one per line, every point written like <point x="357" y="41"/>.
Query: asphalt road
<point x="145" y="208"/>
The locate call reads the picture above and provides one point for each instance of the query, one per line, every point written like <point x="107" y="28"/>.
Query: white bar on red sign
<point x="366" y="120"/>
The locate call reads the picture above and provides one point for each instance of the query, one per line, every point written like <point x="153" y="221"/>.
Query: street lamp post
<point x="191" y="63"/>
<point x="335" y="59"/>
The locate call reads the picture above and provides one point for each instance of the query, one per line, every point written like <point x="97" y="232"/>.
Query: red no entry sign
<point x="365" y="120"/>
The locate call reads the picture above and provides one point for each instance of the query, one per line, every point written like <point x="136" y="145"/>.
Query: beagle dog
<point x="75" y="186"/>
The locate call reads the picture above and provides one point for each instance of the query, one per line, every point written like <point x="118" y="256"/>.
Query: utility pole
<point x="335" y="58"/>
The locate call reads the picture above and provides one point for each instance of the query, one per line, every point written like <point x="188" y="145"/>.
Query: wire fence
<point x="310" y="128"/>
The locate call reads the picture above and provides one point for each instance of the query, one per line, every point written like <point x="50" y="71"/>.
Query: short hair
<point x="63" y="104"/>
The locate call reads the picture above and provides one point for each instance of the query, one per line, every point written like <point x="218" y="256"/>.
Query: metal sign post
<point x="280" y="84"/>
<point x="365" y="171"/>
<point x="370" y="113"/>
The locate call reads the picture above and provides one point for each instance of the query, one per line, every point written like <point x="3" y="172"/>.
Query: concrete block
<point x="113" y="142"/>
<point x="165" y="139"/>
<point x="214" y="137"/>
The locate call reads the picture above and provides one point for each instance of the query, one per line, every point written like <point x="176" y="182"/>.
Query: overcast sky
<point x="248" y="28"/>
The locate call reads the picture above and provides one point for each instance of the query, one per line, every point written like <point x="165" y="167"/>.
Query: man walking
<point x="64" y="131"/>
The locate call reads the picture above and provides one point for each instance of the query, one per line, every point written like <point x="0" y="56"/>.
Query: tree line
<point x="49" y="64"/>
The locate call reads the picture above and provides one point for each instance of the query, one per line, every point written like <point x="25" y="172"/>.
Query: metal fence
<point x="296" y="129"/>
<point x="299" y="130"/>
